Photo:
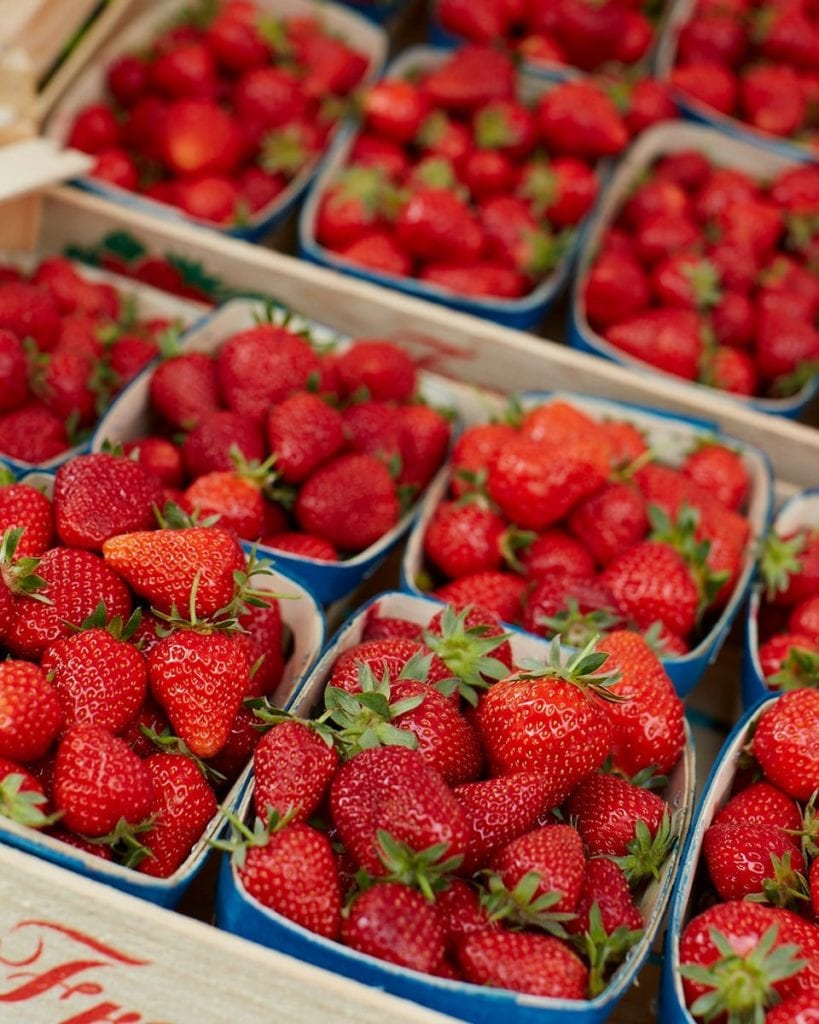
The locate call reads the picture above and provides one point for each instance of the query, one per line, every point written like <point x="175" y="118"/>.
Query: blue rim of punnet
<point x="684" y="670"/>
<point x="655" y="142"/>
<point x="328" y="581"/>
<point x="801" y="509"/>
<point x="360" y="30"/>
<point x="167" y="892"/>
<point x="379" y="11"/>
<point x="520" y="313"/>
<point x="672" y="1009"/>
<point x="243" y="915"/>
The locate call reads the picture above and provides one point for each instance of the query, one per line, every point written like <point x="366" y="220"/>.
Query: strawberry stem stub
<point x="466" y="650"/>
<point x="647" y="853"/>
<point x="428" y="870"/>
<point x="24" y="806"/>
<point x="604" y="950"/>
<point x="582" y="669"/>
<point x="522" y="907"/>
<point x="779" y="560"/>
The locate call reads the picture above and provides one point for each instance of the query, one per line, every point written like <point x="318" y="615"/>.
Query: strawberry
<point x="783" y="743"/>
<point x="480" y="23"/>
<point x="605" y="885"/>
<point x="13" y="371"/>
<point x="721" y="471"/>
<point x="797" y="1010"/>
<point x="760" y="804"/>
<point x="396" y="790"/>
<point x="186" y="69"/>
<point x="30" y="712"/>
<point x="163" y="565"/>
<point x="788" y="660"/>
<point x="94" y="128"/>
<point x="746" y="859"/>
<point x="772" y="100"/>
<point x="660" y="237"/>
<point x="687" y="168"/>
<point x="686" y="282"/>
<point x="291" y="869"/>
<point x="292" y="767"/>
<point x="729" y="370"/>
<point x="616" y="289"/>
<point x="708" y="83"/>
<point x="208" y="446"/>
<point x="393" y="657"/>
<point x="514" y="234"/>
<point x="184" y="389"/>
<point x="98" y="781"/>
<point x="424" y="438"/>
<point x="785" y="349"/>
<point x="379" y="251"/>
<point x="129" y="355"/>
<point x="381" y="367"/>
<point x="473" y="451"/>
<point x="498" y="592"/>
<point x="460" y="913"/>
<point x="199" y="137"/>
<point x="436" y="224"/>
<point x="384" y="627"/>
<point x="524" y="962"/>
<point x="376" y="925"/>
<point x="485" y="278"/>
<point x="127" y="78"/>
<point x="76" y="582"/>
<point x="394" y="108"/>
<point x="22" y="798"/>
<point x="656" y="198"/>
<point x="804" y="617"/>
<point x="734" y="320"/>
<point x="304" y="545"/>
<point x="648" y="724"/>
<point x="563" y="189"/>
<point x="517" y="718"/>
<point x="555" y="854"/>
<point x="261" y="366"/>
<point x="670" y="339"/>
<point x="158" y="457"/>
<point x="555" y="552"/>
<point x="349" y="501"/>
<point x="505" y="125"/>
<point x="609" y="521"/>
<point x="263" y="634"/>
<point x="99" y="496"/>
<point x="235" y="497"/>
<point x="357" y="203"/>
<point x="648" y="102"/>
<point x="183" y="805"/>
<point x="207" y="196"/>
<point x="32" y="433"/>
<point x="578" y="119"/>
<point x="790" y="567"/>
<point x="200" y="680"/>
<point x="469" y="78"/>
<point x="24" y="506"/>
<point x="712" y="37"/>
<point x="463" y="539"/>
<point x="329" y="65"/>
<point x="462" y="641"/>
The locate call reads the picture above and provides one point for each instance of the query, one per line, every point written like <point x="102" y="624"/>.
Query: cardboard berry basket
<point x="89" y="87"/>
<point x="148" y="303"/>
<point x="129" y="418"/>
<point x="656" y="142"/>
<point x="305" y="621"/>
<point x="666" y="56"/>
<point x="801" y="510"/>
<point x="672" y="1008"/>
<point x="672" y="436"/>
<point x="243" y="915"/>
<point x="522" y="313"/>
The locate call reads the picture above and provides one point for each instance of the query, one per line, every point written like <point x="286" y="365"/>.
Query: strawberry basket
<point x="730" y="154"/>
<point x="304" y="621"/>
<point x="130" y="418"/>
<point x="768" y="623"/>
<point x="671" y="437"/>
<point x="247" y="215"/>
<point x="681" y="14"/>
<point x="139" y="304"/>
<point x="242" y="914"/>
<point x="520" y="312"/>
<point x="733" y="800"/>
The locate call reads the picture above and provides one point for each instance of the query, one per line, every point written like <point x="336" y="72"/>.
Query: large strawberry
<point x="524" y="962"/>
<point x="670" y="339"/>
<point x="23" y="506"/>
<point x="30" y="712"/>
<point x="784" y="745"/>
<point x="376" y="924"/>
<point x="555" y="854"/>
<point x="751" y="860"/>
<point x="578" y="118"/>
<point x="292" y="768"/>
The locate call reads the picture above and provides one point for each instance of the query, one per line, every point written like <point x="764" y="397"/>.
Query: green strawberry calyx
<point x="681" y="535"/>
<point x="784" y="886"/>
<point x="808" y="834"/>
<point x="124" y="841"/>
<point x="523" y="907"/>
<point x="20" y="574"/>
<point x="466" y="650"/>
<point x="646" y="852"/>
<point x="577" y="628"/>
<point x="604" y="949"/>
<point x="741" y="985"/>
<point x="799" y="668"/>
<point x="243" y="838"/>
<point x="429" y="870"/>
<point x="170" y="744"/>
<point x="582" y="669"/>
<point x="26" y="807"/>
<point x="779" y="560"/>
<point x="119" y="628"/>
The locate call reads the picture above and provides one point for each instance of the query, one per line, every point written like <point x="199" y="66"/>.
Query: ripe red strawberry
<point x="22" y="798"/>
<point x="578" y="119"/>
<point x="234" y="497"/>
<point x="261" y="366"/>
<point x="745" y="859"/>
<point x="358" y="202"/>
<point x="661" y="236"/>
<point x="292" y="767"/>
<point x="556" y="553"/>
<point x="424" y="439"/>
<point x="708" y="83"/>
<point x="30" y="712"/>
<point x="99" y="496"/>
<point x="473" y="451"/>
<point x="210" y="197"/>
<point x="721" y="471"/>
<point x="788" y="660"/>
<point x="350" y="502"/>
<point x="183" y="805"/>
<point x="76" y="583"/>
<point x="670" y="339"/>
<point x="712" y="36"/>
<point x="783" y="743"/>
<point x="436" y="225"/>
<point x="200" y="680"/>
<point x="158" y="457"/>
<point x="617" y="288"/>
<point x="24" y="506"/>
<point x="391" y="657"/>
<point x="730" y="370"/>
<point x="32" y="433"/>
<point x="760" y="804"/>
<point x="462" y="539"/>
<point x="186" y="69"/>
<point x="384" y="369"/>
<point x="651" y="582"/>
<point x="303" y="431"/>
<point x="524" y="962"/>
<point x="198" y="137"/>
<point x="772" y="99"/>
<point x="656" y="198"/>
<point x="460" y="913"/>
<point x="94" y="128"/>
<point x="100" y="677"/>
<point x="208" y="446"/>
<point x="13" y="371"/>
<point x="304" y="545"/>
<point x="576" y="607"/>
<point x="384" y="627"/>
<point x="98" y="780"/>
<point x="563" y="189"/>
<point x="797" y="1010"/>
<point x="395" y="108"/>
<point x="648" y="725"/>
<point x="734" y="320"/>
<point x="293" y="872"/>
<point x="790" y="567"/>
<point x="377" y="925"/>
<point x="470" y="78"/>
<point x="686" y="282"/>
<point x="606" y="885"/>
<point x="783" y="345"/>
<point x="518" y="717"/>
<point x="380" y="251"/>
<point x="265" y="640"/>
<point x="184" y="389"/>
<point x="609" y="521"/>
<point x="395" y="789"/>
<point x="373" y="428"/>
<point x="555" y="854"/>
<point x="804" y="617"/>
<point x="498" y="592"/>
<point x="480" y="279"/>
<point x="163" y="565"/>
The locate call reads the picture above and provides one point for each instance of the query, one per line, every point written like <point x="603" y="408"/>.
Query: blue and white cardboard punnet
<point x="89" y="87"/>
<point x="672" y="436"/>
<point x="653" y="144"/>
<point x="800" y="511"/>
<point x="243" y="915"/>
<point x="305" y="620"/>
<point x="129" y="418"/>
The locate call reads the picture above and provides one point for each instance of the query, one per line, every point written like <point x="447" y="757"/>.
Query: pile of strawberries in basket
<point x="756" y="61"/>
<point x="569" y="525"/>
<point x="427" y="790"/>
<point x="67" y="345"/>
<point x="219" y="114"/>
<point x="112" y="627"/>
<point x="315" y="453"/>
<point x="586" y="35"/>
<point x="756" y="949"/>
<point x="461" y="181"/>
<point x="711" y="275"/>
<point x="788" y="620"/>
